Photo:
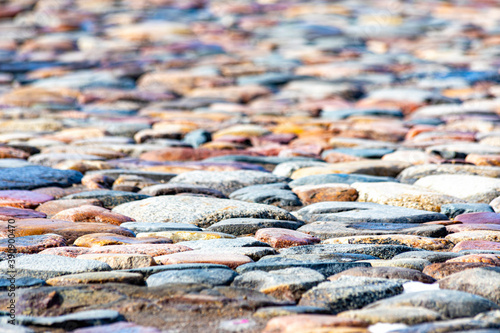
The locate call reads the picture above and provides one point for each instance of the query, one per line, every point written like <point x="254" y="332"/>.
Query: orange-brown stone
<point x="312" y="322"/>
<point x="53" y="207"/>
<point x="89" y="213"/>
<point x="281" y="238"/>
<point x="309" y="194"/>
<point x="104" y="239"/>
<point x="231" y="260"/>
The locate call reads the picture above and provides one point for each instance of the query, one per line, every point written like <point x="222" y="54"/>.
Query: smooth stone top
<point x="138" y="227"/>
<point x="108" y="198"/>
<point x="31" y="177"/>
<point x="244" y="226"/>
<point x="210" y="276"/>
<point x="200" y="211"/>
<point x="357" y="212"/>
<point x="338" y="178"/>
<point x="452" y="210"/>
<point x="79" y="319"/>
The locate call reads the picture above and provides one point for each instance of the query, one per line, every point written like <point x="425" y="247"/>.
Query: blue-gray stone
<point x="115" y="173"/>
<point x="452" y="210"/>
<point x="148" y="271"/>
<point x="382" y="251"/>
<point x="208" y="276"/>
<point x="274" y="160"/>
<point x="24" y="282"/>
<point x="326" y="268"/>
<point x="432" y="256"/>
<point x="13" y="163"/>
<point x="269" y="195"/>
<point x="277" y="311"/>
<point x="338" y="178"/>
<point x="246" y="226"/>
<point x="197" y="137"/>
<point x="31" y="177"/>
<point x="343" y="114"/>
<point x="360" y="152"/>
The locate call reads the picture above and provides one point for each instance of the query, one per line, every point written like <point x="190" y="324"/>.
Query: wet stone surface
<point x="254" y="166"/>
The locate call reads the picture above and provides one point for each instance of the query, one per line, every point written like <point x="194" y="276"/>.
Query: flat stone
<point x="279" y="311"/>
<point x="120" y="261"/>
<point x="403" y="195"/>
<point x="473" y="189"/>
<point x="33" y="244"/>
<point x="462" y="149"/>
<point x="69" y="230"/>
<point x="7" y="213"/>
<point x="22" y="199"/>
<point x="280" y="238"/>
<point x="212" y="244"/>
<point x="286" y="169"/>
<point x="426" y="243"/>
<point x="53" y="207"/>
<point x="416" y="264"/>
<point x="442" y="270"/>
<point x="267" y="194"/>
<point x="476" y="245"/>
<point x="325" y="230"/>
<point x="109" y="199"/>
<point x="307" y="258"/>
<point x="405" y="315"/>
<point x="97" y="277"/>
<point x="44" y="266"/>
<point x="432" y="256"/>
<point x="232" y="260"/>
<point x="449" y="303"/>
<point x="376" y="250"/>
<point x="372" y="168"/>
<point x="228" y="181"/>
<point x="209" y="276"/>
<point x="247" y="226"/>
<point x="412" y="174"/>
<point x="484" y="282"/>
<point x="182" y="236"/>
<point x="313" y="323"/>
<point x="385" y="273"/>
<point x="148" y="271"/>
<point x="324" y="267"/>
<point x="73" y="320"/>
<point x="452" y="210"/>
<point x="89" y="213"/>
<point x="357" y="212"/>
<point x="490" y="259"/>
<point x="310" y="194"/>
<point x="31" y="177"/>
<point x="152" y="250"/>
<point x="350" y="293"/>
<point x="138" y="227"/>
<point x="173" y="189"/>
<point x="286" y="284"/>
<point x="120" y="326"/>
<point x="480" y="218"/>
<point x="104" y="239"/>
<point x="338" y="178"/>
<point x="472" y="235"/>
<point x="478" y="324"/>
<point x="202" y="212"/>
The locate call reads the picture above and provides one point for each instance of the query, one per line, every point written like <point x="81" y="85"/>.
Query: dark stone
<point x="245" y="226"/>
<point x="137" y="227"/>
<point x="173" y="189"/>
<point x="376" y="250"/>
<point x="207" y="276"/>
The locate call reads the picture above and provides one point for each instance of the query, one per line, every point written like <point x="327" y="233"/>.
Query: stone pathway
<point x="276" y="166"/>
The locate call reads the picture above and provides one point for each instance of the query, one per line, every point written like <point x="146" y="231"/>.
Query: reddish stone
<point x="470" y="227"/>
<point x="58" y="192"/>
<point x="88" y="213"/>
<point x="69" y="230"/>
<point x="483" y="160"/>
<point x="309" y="194"/>
<point x="281" y="238"/>
<point x="7" y="213"/>
<point x="153" y="250"/>
<point x="443" y="269"/>
<point x="22" y="199"/>
<point x="53" y="207"/>
<point x="33" y="244"/>
<point x="334" y="157"/>
<point x="188" y="154"/>
<point x="231" y="260"/>
<point x="480" y="218"/>
<point x="310" y="323"/>
<point x="476" y="245"/>
<point x="445" y="223"/>
<point x="97" y="181"/>
<point x="490" y="259"/>
<point x="9" y="152"/>
<point x="104" y="239"/>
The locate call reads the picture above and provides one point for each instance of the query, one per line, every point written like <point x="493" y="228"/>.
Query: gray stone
<point x="109" y="199"/>
<point x="210" y="276"/>
<point x="52" y="159"/>
<point x="70" y="321"/>
<point x="254" y="252"/>
<point x="173" y="189"/>
<point x="24" y="282"/>
<point x="278" y="311"/>
<point x="402" y="315"/>
<point x="452" y="210"/>
<point x="478" y="324"/>
<point x="159" y="226"/>
<point x="484" y="282"/>
<point x="116" y="173"/>
<point x="412" y="174"/>
<point x="202" y="212"/>
<point x="287" y="284"/>
<point x="31" y="177"/>
<point x="338" y="178"/>
<point x="431" y="256"/>
<point x="296" y="258"/>
<point x="326" y="268"/>
<point x="397" y="273"/>
<point x="450" y="304"/>
<point x="221" y="243"/>
<point x="356" y="212"/>
<point x="350" y="293"/>
<point x="44" y="266"/>
<point x="197" y="137"/>
<point x="376" y="250"/>
<point x="148" y="271"/>
<point x="266" y="195"/>
<point x="287" y="168"/>
<point x="325" y="230"/>
<point x="226" y="181"/>
<point x="245" y="226"/>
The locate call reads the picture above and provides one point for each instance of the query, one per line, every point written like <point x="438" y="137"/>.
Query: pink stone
<point x="153" y="250"/>
<point x="280" y="238"/>
<point x="22" y="199"/>
<point x="476" y="245"/>
<point x="480" y="218"/>
<point x="231" y="260"/>
<point x="469" y="227"/>
<point x="7" y="213"/>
